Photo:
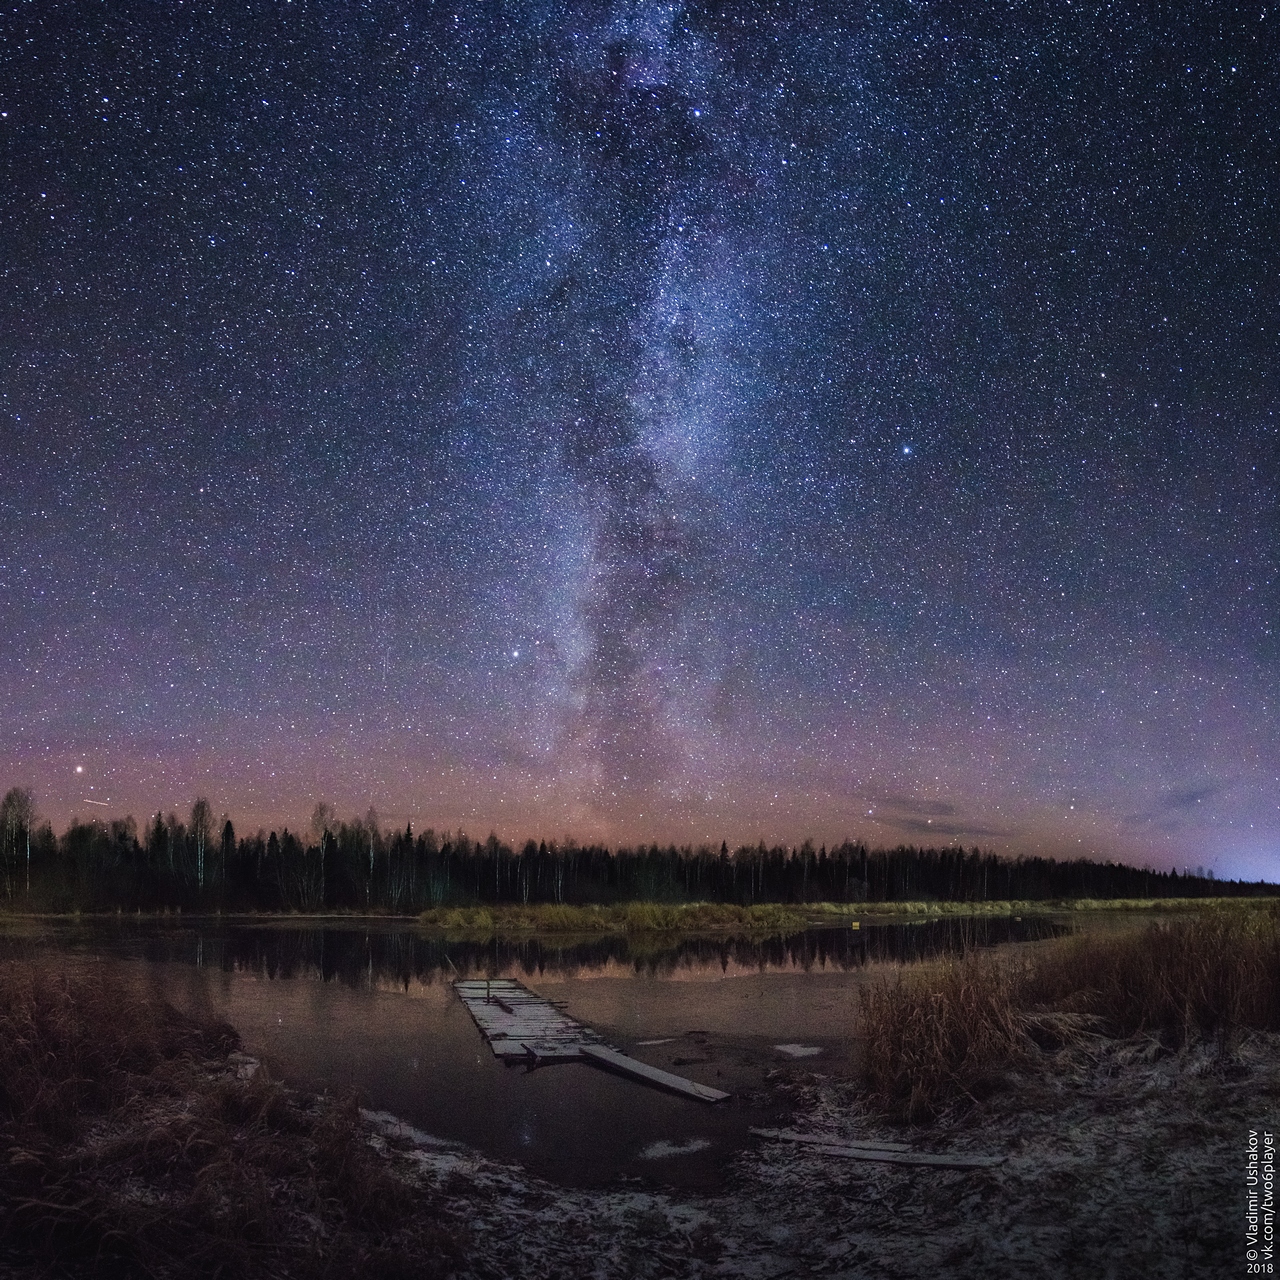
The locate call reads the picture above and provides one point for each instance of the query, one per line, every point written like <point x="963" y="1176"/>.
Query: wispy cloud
<point x="1168" y="810"/>
<point x="911" y="804"/>
<point x="927" y="827"/>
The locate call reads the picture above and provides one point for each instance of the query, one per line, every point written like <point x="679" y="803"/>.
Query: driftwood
<point x="882" y="1152"/>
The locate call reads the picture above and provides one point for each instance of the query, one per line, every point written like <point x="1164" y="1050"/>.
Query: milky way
<point x="647" y="421"/>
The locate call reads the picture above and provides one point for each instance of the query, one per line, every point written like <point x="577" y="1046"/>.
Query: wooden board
<point x="912" y="1157"/>
<point x="651" y="1075"/>
<point x="849" y="1151"/>
<point x="790" y="1135"/>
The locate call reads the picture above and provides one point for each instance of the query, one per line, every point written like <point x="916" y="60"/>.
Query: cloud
<point x="1168" y="808"/>
<point x="909" y="804"/>
<point x="923" y="826"/>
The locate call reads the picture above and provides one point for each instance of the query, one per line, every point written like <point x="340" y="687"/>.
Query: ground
<point x="1123" y="1162"/>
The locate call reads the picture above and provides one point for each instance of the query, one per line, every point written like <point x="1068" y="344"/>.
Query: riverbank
<point x="712" y="918"/>
<point x="1057" y="906"/>
<point x="168" y="1152"/>
<point x="143" y="1141"/>
<point x="663" y="917"/>
<point x="1113" y="1079"/>
<point x="944" y="1033"/>
<point x="1121" y="1163"/>
<point x="140" y="1141"/>
<point x="624" y="917"/>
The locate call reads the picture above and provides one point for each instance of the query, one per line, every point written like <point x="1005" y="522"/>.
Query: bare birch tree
<point x="201" y="828"/>
<point x="17" y="813"/>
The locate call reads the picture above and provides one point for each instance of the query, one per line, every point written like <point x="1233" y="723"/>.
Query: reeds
<point x="1218" y="972"/>
<point x="952" y="1031"/>
<point x="134" y="1148"/>
<point x="627" y="917"/>
<point x="937" y="1037"/>
<point x="1039" y="906"/>
<point x="70" y="1041"/>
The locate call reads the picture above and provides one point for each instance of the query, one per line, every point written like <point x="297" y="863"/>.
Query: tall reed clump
<point x="133" y="1147"/>
<point x="952" y="1031"/>
<point x="932" y="1038"/>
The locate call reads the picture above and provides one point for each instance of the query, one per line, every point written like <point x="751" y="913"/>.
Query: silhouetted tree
<point x="97" y="866"/>
<point x="201" y="828"/>
<point x="17" y="813"/>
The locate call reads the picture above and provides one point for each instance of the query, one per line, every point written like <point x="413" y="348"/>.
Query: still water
<point x="348" y="1005"/>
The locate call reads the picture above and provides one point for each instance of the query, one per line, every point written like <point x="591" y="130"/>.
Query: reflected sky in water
<point x="350" y="1005"/>
<point x="357" y="953"/>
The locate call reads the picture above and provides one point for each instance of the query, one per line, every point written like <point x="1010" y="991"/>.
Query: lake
<point x="348" y="1004"/>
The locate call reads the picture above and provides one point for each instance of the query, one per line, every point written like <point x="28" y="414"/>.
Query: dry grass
<point x="135" y="1148"/>
<point x="1039" y="906"/>
<point x="1218" y="972"/>
<point x="952" y="1031"/>
<point x="628" y="917"/>
<point x="506" y="920"/>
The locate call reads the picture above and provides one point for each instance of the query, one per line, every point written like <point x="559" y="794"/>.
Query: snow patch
<point x="664" y="1150"/>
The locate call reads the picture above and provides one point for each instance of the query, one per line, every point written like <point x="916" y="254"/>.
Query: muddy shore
<point x="1122" y="1162"/>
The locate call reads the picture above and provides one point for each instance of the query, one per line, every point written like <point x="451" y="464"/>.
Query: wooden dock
<point x="522" y="1026"/>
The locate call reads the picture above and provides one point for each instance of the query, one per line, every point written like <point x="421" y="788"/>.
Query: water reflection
<point x="358" y="954"/>
<point x="369" y="1006"/>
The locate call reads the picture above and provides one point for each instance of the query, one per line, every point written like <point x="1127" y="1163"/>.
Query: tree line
<point x="359" y="865"/>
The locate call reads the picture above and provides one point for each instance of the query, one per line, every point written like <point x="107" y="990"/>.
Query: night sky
<point x="646" y="421"/>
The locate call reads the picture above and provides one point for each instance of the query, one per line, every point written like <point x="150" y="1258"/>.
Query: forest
<point x="202" y="864"/>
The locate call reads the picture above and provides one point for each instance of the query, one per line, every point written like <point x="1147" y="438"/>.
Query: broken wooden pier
<point x="522" y="1026"/>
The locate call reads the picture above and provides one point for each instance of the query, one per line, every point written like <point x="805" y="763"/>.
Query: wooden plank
<point x="849" y="1152"/>
<point x="790" y="1135"/>
<point x="653" y="1075"/>
<point x="913" y="1157"/>
<point x="540" y="1052"/>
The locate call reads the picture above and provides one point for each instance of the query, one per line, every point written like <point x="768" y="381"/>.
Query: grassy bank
<point x="951" y="1031"/>
<point x="140" y="1143"/>
<point x="656" y="917"/>
<point x="627" y="917"/>
<point x="713" y="917"/>
<point x="864" y="910"/>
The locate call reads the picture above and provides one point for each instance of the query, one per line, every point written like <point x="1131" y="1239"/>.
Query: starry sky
<point x="647" y="421"/>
